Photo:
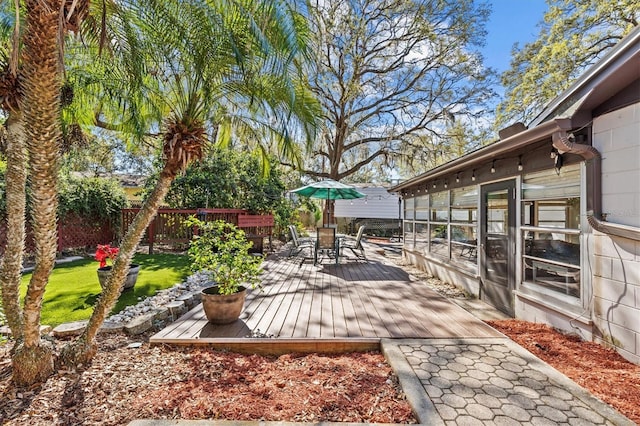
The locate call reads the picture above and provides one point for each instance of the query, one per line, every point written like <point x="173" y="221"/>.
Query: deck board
<point x="332" y="307"/>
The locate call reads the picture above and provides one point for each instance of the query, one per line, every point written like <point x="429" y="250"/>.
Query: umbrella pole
<point x="325" y="216"/>
<point x="327" y="211"/>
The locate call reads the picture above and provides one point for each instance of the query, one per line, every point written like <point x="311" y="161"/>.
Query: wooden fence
<point x="169" y="228"/>
<point x="74" y="232"/>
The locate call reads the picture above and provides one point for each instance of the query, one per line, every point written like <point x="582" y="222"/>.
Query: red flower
<point x="104" y="252"/>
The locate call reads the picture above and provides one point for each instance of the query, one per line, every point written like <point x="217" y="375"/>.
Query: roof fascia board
<point x="538" y="133"/>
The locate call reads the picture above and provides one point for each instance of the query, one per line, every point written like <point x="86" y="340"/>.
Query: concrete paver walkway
<point x="490" y="382"/>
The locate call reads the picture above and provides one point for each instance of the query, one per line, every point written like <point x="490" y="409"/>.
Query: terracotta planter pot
<point x="130" y="280"/>
<point x="222" y="308"/>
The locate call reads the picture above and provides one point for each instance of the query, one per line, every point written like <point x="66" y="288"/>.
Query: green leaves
<point x="92" y="198"/>
<point x="222" y="249"/>
<point x="573" y="36"/>
<point x="88" y="197"/>
<point x="228" y="179"/>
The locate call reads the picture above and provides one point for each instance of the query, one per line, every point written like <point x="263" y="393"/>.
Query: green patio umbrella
<point x="329" y="190"/>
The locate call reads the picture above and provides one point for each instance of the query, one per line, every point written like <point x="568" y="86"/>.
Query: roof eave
<point x="512" y="143"/>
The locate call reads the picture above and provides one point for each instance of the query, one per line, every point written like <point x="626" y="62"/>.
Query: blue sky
<point x="512" y="21"/>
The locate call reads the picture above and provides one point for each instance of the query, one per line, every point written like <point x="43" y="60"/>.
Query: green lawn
<point x="73" y="287"/>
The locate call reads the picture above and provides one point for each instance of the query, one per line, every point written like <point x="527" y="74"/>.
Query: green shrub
<point x="92" y="197"/>
<point x="88" y="197"/>
<point x="229" y="179"/>
<point x="222" y="249"/>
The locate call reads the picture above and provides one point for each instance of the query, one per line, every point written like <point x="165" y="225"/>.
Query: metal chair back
<point x="359" y="236"/>
<point x="355" y="246"/>
<point x="294" y="235"/>
<point x="326" y="239"/>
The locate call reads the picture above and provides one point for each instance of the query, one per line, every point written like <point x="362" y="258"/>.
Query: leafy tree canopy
<point x="573" y="35"/>
<point x="232" y="179"/>
<point x="392" y="77"/>
<point x="227" y="179"/>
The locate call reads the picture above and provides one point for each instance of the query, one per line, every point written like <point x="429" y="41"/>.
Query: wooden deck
<point x="330" y="308"/>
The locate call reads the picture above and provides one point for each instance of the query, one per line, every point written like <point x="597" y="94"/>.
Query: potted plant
<point x="222" y="249"/>
<point x="104" y="252"/>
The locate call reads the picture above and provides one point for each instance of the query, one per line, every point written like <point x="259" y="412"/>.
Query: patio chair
<point x="298" y="243"/>
<point x="355" y="245"/>
<point x="327" y="243"/>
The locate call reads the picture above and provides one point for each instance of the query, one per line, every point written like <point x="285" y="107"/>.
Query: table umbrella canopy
<point x="329" y="190"/>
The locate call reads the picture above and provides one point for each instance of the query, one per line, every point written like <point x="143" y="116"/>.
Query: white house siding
<point x="378" y="204"/>
<point x="616" y="261"/>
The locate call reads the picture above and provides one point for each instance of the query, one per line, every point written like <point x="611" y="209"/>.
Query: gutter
<point x="615" y="229"/>
<point x="489" y="152"/>
<point x="564" y="144"/>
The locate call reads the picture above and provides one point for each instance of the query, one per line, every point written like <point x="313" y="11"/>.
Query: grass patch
<point x="73" y="287"/>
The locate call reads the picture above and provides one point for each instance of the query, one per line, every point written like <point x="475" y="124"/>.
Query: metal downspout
<point x="563" y="143"/>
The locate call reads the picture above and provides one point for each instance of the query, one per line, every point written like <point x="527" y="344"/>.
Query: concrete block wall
<point x="616" y="294"/>
<point x="615" y="261"/>
<point x="528" y="309"/>
<point x="617" y="136"/>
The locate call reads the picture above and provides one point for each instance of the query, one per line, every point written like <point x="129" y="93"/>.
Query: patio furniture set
<point x="327" y="243"/>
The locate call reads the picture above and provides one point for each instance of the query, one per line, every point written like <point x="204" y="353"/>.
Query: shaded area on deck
<point x="329" y="307"/>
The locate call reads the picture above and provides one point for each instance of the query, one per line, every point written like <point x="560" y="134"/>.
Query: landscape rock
<point x="176" y="309"/>
<point x="190" y="289"/>
<point x="111" y="327"/>
<point x="139" y="324"/>
<point x="169" y="304"/>
<point x="197" y="296"/>
<point x="187" y="299"/>
<point x="6" y="331"/>
<point x="69" y="329"/>
<point x="161" y="313"/>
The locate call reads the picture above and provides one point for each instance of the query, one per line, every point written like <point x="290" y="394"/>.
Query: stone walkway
<point x="490" y="382"/>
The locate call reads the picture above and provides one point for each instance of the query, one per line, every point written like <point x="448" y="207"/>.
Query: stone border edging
<point x="422" y="406"/>
<point x="166" y="305"/>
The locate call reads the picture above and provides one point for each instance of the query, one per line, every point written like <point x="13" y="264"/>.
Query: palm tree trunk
<point x="16" y="181"/>
<point x="84" y="348"/>
<point x="40" y="82"/>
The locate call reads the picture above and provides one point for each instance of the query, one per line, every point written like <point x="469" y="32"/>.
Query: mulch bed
<point x="126" y="383"/>
<point x="600" y="370"/>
